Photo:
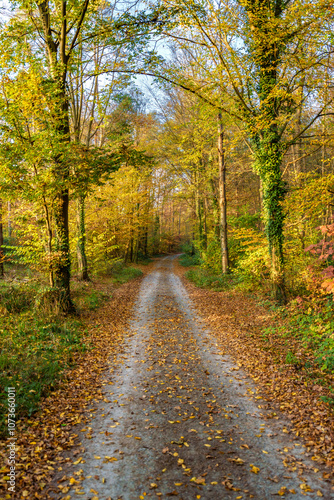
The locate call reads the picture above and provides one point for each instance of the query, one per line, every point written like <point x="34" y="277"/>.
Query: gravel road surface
<point x="181" y="419"/>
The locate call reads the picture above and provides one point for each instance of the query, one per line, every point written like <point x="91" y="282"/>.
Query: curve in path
<point x="179" y="418"/>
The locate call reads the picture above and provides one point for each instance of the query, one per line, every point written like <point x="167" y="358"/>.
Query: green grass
<point x="34" y="352"/>
<point x="144" y="261"/>
<point x="315" y="328"/>
<point x="204" y="278"/>
<point x="95" y="299"/>
<point x="312" y="328"/>
<point x="18" y="297"/>
<point x="122" y="274"/>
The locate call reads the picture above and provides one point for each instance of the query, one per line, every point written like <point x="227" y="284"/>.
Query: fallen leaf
<point x="237" y="461"/>
<point x="305" y="487"/>
<point x="198" y="480"/>
<point x="281" y="492"/>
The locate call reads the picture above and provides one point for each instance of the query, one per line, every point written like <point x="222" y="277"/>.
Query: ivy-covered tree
<point x="248" y="51"/>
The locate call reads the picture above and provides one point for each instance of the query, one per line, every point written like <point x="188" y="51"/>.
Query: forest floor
<point x="170" y="404"/>
<point x="180" y="417"/>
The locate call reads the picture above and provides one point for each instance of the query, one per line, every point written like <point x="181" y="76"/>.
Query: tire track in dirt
<point x="180" y="418"/>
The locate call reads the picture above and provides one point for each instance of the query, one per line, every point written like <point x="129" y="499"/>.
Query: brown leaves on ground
<point x="43" y="439"/>
<point x="237" y="320"/>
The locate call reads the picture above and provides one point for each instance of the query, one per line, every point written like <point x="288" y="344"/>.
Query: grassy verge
<point x="122" y="274"/>
<point x="51" y="428"/>
<point x="205" y="278"/>
<point x="37" y="344"/>
<point x="145" y="261"/>
<point x="34" y="352"/>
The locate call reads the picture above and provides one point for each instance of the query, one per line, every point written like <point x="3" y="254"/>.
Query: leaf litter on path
<point x="185" y="419"/>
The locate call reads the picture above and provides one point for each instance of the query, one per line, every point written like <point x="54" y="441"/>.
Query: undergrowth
<point x="144" y="261"/>
<point x="187" y="260"/>
<point x="204" y="278"/>
<point x="314" y="326"/>
<point x="94" y="299"/>
<point x="303" y="337"/>
<point x="17" y="297"/>
<point x="34" y="352"/>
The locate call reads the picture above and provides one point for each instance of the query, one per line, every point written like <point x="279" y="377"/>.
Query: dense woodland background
<point x="222" y="152"/>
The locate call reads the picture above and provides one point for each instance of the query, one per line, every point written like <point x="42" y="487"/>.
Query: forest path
<point x="179" y="417"/>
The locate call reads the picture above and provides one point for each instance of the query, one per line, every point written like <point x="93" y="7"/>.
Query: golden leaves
<point x="109" y="459"/>
<point x="254" y="469"/>
<point x="73" y="481"/>
<point x="198" y="480"/>
<point x="305" y="487"/>
<point x="237" y="461"/>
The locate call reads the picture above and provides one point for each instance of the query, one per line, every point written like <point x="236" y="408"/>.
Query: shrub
<point x="188" y="248"/>
<point x="189" y="260"/>
<point x="245" y="220"/>
<point x="254" y="268"/>
<point x="311" y="322"/>
<point x="211" y="257"/>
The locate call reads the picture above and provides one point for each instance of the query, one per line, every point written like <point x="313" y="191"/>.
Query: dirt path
<point x="181" y="419"/>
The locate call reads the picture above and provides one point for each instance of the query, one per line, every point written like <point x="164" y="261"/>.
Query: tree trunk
<point x="215" y="204"/>
<point x="9" y="220"/>
<point x="81" y="247"/>
<point x="62" y="271"/>
<point x="222" y="196"/>
<point x="58" y="62"/>
<point x="1" y="243"/>
<point x="261" y="224"/>
<point x="269" y="159"/>
<point x="136" y="250"/>
<point x="268" y="146"/>
<point x="199" y="218"/>
<point x="131" y="249"/>
<point x="62" y="173"/>
<point x="49" y="242"/>
<point x="205" y="225"/>
<point x="145" y="242"/>
<point x="199" y="212"/>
